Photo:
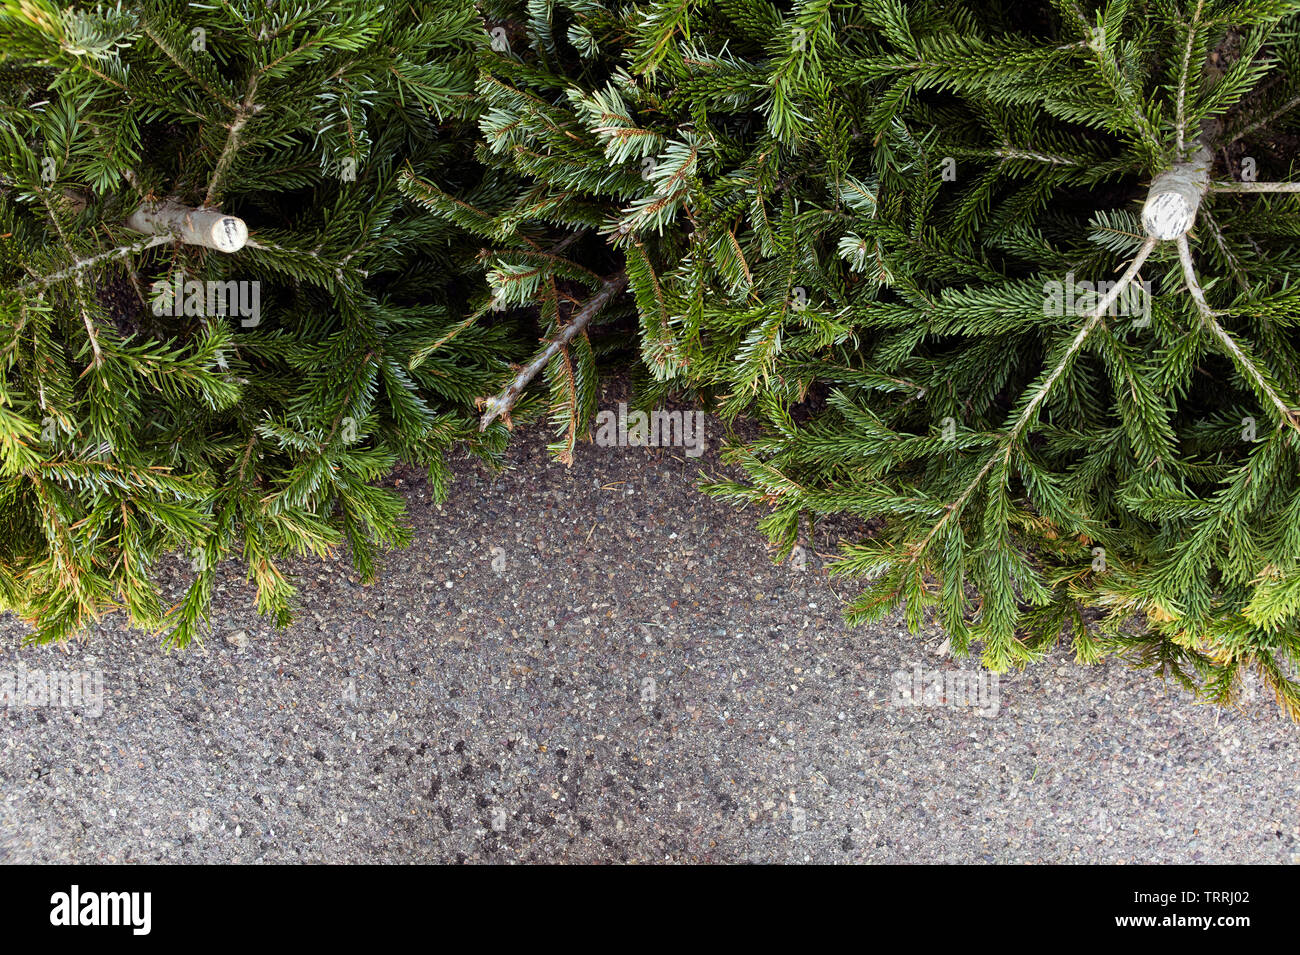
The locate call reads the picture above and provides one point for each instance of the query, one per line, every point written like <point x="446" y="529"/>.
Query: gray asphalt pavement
<point x="599" y="664"/>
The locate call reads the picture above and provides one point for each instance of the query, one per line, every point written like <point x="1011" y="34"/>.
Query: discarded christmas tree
<point x="213" y="294"/>
<point x="911" y="240"/>
<point x="1009" y="282"/>
<point x="1031" y="259"/>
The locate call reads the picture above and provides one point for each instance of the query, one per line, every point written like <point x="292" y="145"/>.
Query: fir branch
<point x="1289" y="416"/>
<point x="1292" y="187"/>
<point x="1180" y="120"/>
<point x="1040" y="393"/>
<point x="81" y="265"/>
<point x="499" y="405"/>
<point x="243" y="113"/>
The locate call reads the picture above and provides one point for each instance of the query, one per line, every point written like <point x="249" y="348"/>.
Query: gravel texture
<point x="454" y="712"/>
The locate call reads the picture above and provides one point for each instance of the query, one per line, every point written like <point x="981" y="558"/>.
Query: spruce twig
<point x="1255" y="187"/>
<point x="499" y="405"/>
<point x="1234" y="350"/>
<point x="1026" y="417"/>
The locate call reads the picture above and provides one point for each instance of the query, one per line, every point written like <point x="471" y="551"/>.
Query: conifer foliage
<point x="1009" y="282"/>
<point x="163" y="397"/>
<point x="1055" y="420"/>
